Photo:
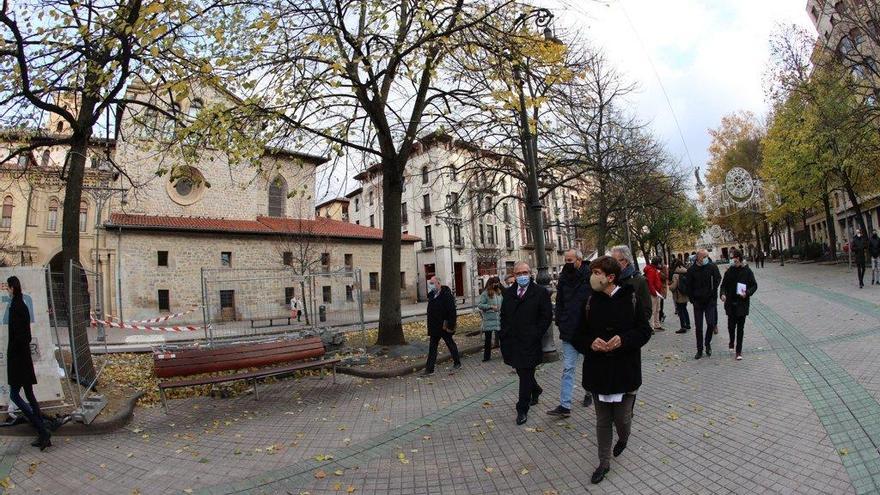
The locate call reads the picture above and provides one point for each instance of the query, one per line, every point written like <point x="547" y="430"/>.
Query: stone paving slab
<point x="708" y="426"/>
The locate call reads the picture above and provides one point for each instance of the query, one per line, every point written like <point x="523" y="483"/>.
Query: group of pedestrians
<point x="862" y="248"/>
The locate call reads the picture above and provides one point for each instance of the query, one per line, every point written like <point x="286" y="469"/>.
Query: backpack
<point x="683" y="285"/>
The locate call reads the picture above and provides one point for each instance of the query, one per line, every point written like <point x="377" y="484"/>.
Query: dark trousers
<point x="618" y="413"/>
<point x="662" y="314"/>
<point x="860" y="267"/>
<point x="710" y="311"/>
<point x="528" y="389"/>
<point x="487" y="344"/>
<point x="31" y="408"/>
<point x="683" y="317"/>
<point x="432" y="350"/>
<point x="735" y="327"/>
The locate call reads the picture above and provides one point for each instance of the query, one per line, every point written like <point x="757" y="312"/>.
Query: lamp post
<point x="528" y="143"/>
<point x="450" y="221"/>
<point x="101" y="193"/>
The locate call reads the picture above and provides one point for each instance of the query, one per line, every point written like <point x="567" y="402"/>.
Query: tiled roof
<point x="319" y="227"/>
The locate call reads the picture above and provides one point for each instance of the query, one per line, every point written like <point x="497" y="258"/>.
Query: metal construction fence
<point x="252" y="304"/>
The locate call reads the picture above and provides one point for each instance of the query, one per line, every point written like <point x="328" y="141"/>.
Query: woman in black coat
<point x="526" y="314"/>
<point x="615" y="329"/>
<point x="19" y="365"/>
<point x="736" y="305"/>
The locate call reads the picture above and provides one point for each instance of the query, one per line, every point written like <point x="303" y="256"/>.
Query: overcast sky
<point x="709" y="55"/>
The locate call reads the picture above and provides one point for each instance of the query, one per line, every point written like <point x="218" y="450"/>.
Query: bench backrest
<point x="234" y="357"/>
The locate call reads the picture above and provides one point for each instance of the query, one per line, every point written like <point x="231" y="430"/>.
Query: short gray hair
<point x="624" y="251"/>
<point x="577" y="253"/>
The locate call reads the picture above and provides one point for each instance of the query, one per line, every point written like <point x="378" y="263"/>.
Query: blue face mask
<point x="432" y="287"/>
<point x="705" y="261"/>
<point x="522" y="280"/>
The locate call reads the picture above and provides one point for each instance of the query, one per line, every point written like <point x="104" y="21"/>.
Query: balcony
<point x="426" y="212"/>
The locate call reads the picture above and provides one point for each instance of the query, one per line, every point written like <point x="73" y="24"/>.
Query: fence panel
<point x="85" y="300"/>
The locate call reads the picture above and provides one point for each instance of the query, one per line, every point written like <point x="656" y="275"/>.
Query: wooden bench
<point x="301" y="354"/>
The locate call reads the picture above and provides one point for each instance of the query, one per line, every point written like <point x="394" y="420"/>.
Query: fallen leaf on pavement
<point x="320" y="474"/>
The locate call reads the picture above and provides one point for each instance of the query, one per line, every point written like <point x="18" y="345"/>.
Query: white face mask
<point x="431" y="287"/>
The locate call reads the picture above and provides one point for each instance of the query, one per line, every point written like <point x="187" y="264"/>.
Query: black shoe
<point x="588" y="400"/>
<point x="534" y="401"/>
<point x="44" y="442"/>
<point x="708" y="350"/>
<point x="698" y="355"/>
<point x="521" y="418"/>
<point x="486" y="359"/>
<point x="681" y="330"/>
<point x="559" y="412"/>
<point x="619" y="447"/>
<point x="456" y="366"/>
<point x="599" y="475"/>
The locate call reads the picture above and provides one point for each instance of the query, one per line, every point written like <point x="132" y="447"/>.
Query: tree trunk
<point x="830" y="226"/>
<point x="390" y="328"/>
<point x="851" y="194"/>
<point x="602" y="226"/>
<point x="78" y="301"/>
<point x="804" y="224"/>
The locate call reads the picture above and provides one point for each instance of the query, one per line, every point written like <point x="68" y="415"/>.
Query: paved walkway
<point x="799" y="415"/>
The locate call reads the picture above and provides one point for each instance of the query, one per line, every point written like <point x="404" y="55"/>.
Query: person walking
<point x="859" y="246"/>
<point x="614" y="331"/>
<point x="629" y="276"/>
<point x="571" y="296"/>
<point x="874" y="251"/>
<point x="703" y="279"/>
<point x="294" y="308"/>
<point x="664" y="289"/>
<point x="526" y="314"/>
<point x="442" y="316"/>
<point x="737" y="288"/>
<point x="652" y="276"/>
<point x="19" y="364"/>
<point x="679" y="297"/>
<point x="490" y="306"/>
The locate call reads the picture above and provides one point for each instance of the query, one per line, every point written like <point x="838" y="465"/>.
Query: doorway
<point x="459" y="279"/>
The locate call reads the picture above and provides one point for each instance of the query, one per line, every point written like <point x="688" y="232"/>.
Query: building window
<point x="425" y="174"/>
<point x="349" y="293"/>
<point x="277" y="197"/>
<point x="327" y="294"/>
<point x="6" y="219"/>
<point x="403" y="280"/>
<point x="52" y="219"/>
<point x="507" y="240"/>
<point x="374" y="280"/>
<point x="164" y="302"/>
<point x="83" y="216"/>
<point x="372" y="221"/>
<point x="453" y="172"/>
<point x="287" y="258"/>
<point x="186" y="185"/>
<point x="357" y="203"/>
<point x="288" y="295"/>
<point x="488" y="204"/>
<point x="325" y="261"/>
<point x="371" y="198"/>
<point x="491" y="234"/>
<point x="453" y="200"/>
<point x="456" y="234"/>
<point x="429" y="240"/>
<point x="227" y="299"/>
<point x="482" y="235"/>
<point x="404" y="217"/>
<point x="148" y="125"/>
<point x="349" y="261"/>
<point x="45" y="161"/>
<point x="506" y="213"/>
<point x="357" y="222"/>
<point x="162" y="258"/>
<point x="226" y="258"/>
<point x="59" y="127"/>
<point x="426" y="204"/>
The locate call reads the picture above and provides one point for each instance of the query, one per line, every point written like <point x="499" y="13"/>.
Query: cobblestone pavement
<point x="799" y="415"/>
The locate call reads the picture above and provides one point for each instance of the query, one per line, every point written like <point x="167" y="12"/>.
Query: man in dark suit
<point x="526" y="314"/>
<point x="441" y="323"/>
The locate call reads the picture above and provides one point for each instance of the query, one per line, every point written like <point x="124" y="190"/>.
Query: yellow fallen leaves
<point x="323" y="457"/>
<point x="672" y="416"/>
<point x="488" y="469"/>
<point x="320" y="474"/>
<point x="524" y="471"/>
<point x="402" y="458"/>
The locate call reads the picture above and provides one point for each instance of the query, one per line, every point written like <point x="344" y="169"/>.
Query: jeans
<point x="528" y="389"/>
<point x="432" y="350"/>
<point x="31" y="408"/>
<point x="620" y="413"/>
<point x="860" y="267"/>
<point x="683" y="317"/>
<point x="735" y="327"/>
<point x="875" y="269"/>
<point x="487" y="344"/>
<point x="570" y="358"/>
<point x="711" y="313"/>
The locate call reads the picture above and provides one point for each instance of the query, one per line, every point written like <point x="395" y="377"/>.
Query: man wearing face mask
<point x="571" y="296"/>
<point x="859" y="246"/>
<point x="630" y="277"/>
<point x="703" y="280"/>
<point x="526" y="314"/>
<point x="442" y="317"/>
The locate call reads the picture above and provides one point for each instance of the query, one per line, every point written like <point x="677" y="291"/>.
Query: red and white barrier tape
<point x="179" y="328"/>
<point x="158" y="319"/>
